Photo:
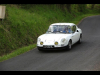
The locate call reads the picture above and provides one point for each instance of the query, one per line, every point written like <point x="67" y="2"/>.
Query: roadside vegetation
<point x="23" y="23"/>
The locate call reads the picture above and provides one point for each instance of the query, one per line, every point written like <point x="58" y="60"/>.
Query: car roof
<point x="70" y="24"/>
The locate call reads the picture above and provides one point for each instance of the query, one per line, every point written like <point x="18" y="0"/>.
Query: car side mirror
<point x="77" y="31"/>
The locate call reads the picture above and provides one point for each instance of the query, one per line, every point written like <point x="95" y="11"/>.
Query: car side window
<point x="73" y="28"/>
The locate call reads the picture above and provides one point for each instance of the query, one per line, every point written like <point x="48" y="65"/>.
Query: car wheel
<point x="80" y="39"/>
<point x="69" y="45"/>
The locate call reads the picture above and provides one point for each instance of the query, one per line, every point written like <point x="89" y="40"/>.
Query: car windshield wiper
<point x="49" y="32"/>
<point x="58" y="31"/>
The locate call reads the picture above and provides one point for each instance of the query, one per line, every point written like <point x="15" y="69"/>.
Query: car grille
<point x="48" y="46"/>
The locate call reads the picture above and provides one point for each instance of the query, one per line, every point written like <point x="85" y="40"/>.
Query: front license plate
<point x="48" y="46"/>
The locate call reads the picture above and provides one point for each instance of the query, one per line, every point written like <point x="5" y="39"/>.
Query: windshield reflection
<point x="59" y="29"/>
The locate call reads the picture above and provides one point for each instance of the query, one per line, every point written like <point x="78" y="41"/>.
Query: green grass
<point x="21" y="26"/>
<point x="17" y="52"/>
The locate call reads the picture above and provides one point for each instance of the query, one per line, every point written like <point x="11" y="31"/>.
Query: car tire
<point x="69" y="45"/>
<point x="80" y="39"/>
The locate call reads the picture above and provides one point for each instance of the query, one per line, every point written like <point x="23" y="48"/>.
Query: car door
<point x="75" y="34"/>
<point x="73" y="37"/>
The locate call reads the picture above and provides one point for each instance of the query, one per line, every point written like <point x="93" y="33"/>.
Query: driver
<point x="65" y="30"/>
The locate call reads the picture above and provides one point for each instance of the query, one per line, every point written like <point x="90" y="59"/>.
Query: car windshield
<point x="59" y="29"/>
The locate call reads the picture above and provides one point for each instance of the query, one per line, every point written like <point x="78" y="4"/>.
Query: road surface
<point x="82" y="57"/>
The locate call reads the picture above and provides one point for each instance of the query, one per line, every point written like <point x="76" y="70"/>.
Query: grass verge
<point x="17" y="52"/>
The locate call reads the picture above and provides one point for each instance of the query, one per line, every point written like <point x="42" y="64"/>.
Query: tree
<point x="81" y="7"/>
<point x="68" y="7"/>
<point x="92" y="6"/>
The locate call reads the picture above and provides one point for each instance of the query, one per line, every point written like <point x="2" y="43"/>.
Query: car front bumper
<point x="53" y="48"/>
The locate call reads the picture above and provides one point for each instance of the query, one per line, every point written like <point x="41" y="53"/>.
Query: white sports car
<point x="59" y="36"/>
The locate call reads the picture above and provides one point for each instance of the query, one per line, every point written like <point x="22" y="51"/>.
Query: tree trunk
<point x="92" y="6"/>
<point x="68" y="7"/>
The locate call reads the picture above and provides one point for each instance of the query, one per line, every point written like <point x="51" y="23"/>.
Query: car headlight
<point x="63" y="40"/>
<point x="41" y="43"/>
<point x="56" y="43"/>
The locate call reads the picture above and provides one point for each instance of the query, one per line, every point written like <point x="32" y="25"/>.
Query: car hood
<point x="53" y="37"/>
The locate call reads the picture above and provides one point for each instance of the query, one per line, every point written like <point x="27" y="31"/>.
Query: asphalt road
<point x="82" y="57"/>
